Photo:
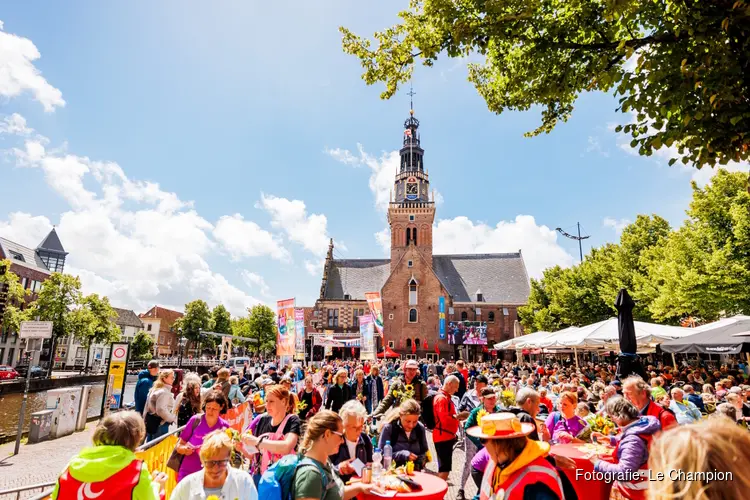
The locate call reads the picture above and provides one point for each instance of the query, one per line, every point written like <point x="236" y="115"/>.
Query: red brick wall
<point x="346" y="314"/>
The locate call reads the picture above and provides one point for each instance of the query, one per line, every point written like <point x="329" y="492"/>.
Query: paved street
<point x="40" y="462"/>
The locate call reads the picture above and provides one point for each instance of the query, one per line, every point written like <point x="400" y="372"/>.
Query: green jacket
<point x="98" y="463"/>
<point x="472" y="422"/>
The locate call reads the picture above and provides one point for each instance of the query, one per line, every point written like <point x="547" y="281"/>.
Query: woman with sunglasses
<point x="315" y="478"/>
<point x="217" y="478"/>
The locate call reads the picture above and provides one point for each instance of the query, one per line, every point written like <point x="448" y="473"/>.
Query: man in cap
<point x="271" y="372"/>
<point x="410" y="378"/>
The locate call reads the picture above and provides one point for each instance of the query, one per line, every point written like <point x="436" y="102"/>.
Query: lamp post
<point x="182" y="344"/>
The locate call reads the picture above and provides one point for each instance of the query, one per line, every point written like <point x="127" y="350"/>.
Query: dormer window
<point x="480" y="296"/>
<point x="16" y="256"/>
<point x="347" y="296"/>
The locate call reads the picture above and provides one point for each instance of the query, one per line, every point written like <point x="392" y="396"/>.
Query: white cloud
<point x="343" y="155"/>
<point x="18" y="73"/>
<point x="254" y="280"/>
<point x="127" y="239"/>
<point x="538" y="243"/>
<point x="244" y="238"/>
<point x="15" y="124"/>
<point x="315" y="268"/>
<point x="617" y="224"/>
<point x="594" y="146"/>
<point x="291" y="216"/>
<point x="383" y="239"/>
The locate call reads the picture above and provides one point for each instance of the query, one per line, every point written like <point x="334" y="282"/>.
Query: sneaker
<point x="460" y="495"/>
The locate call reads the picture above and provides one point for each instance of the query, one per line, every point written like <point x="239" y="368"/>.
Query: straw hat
<point x="501" y="426"/>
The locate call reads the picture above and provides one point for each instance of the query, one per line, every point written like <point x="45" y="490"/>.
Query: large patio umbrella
<point x="726" y="336"/>
<point x="628" y="362"/>
<point x="388" y="353"/>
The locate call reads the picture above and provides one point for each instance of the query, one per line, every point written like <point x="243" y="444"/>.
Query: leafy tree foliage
<point x="59" y="297"/>
<point x="679" y="66"/>
<point x="142" y="346"/>
<point x="12" y="295"/>
<point x="197" y="317"/>
<point x="262" y="327"/>
<point x="700" y="270"/>
<point x="221" y="320"/>
<point x="95" y="321"/>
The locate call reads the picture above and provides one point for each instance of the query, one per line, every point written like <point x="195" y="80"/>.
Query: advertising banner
<point x="467" y="332"/>
<point x="367" y="336"/>
<point x="285" y="323"/>
<point x="239" y="417"/>
<point x="118" y="363"/>
<point x="441" y="317"/>
<point x="376" y="309"/>
<point x="328" y="351"/>
<point x="299" y="330"/>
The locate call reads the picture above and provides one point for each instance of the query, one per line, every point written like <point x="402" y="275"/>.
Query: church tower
<point x="411" y="211"/>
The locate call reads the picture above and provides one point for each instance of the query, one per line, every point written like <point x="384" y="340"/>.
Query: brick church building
<point x="474" y="287"/>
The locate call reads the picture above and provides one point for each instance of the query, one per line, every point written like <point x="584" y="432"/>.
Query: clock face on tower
<point x="412" y="189"/>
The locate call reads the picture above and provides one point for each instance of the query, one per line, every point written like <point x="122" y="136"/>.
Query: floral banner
<point x="367" y="337"/>
<point x="285" y="323"/>
<point x="299" y="330"/>
<point x="376" y="309"/>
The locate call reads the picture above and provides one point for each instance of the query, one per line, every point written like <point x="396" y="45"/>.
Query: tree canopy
<point x="142" y="346"/>
<point x="701" y="270"/>
<point x="680" y="68"/>
<point x="12" y="296"/>
<point x="262" y="326"/>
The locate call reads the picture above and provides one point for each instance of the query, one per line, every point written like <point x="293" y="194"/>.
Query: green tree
<point x="680" y="67"/>
<point x="12" y="296"/>
<point x="59" y="297"/>
<point x="703" y="269"/>
<point x="94" y="323"/>
<point x="142" y="346"/>
<point x="221" y="320"/>
<point x="262" y="327"/>
<point x="197" y="317"/>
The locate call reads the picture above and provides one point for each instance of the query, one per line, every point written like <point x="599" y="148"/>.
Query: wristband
<point x="260" y="440"/>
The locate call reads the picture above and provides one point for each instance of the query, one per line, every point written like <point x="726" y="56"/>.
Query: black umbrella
<point x="628" y="362"/>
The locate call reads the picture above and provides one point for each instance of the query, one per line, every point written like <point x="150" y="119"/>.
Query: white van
<point x="238" y="364"/>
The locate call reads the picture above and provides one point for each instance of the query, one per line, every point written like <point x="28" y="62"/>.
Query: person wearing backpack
<point x="314" y="478"/>
<point x="159" y="410"/>
<point x="446" y="426"/>
<point x="411" y="381"/>
<point x="408" y="436"/>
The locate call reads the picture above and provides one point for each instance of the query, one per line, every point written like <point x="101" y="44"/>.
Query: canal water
<point x="10" y="405"/>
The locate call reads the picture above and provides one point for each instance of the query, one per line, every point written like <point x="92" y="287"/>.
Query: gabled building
<point x="159" y="322"/>
<point x="32" y="266"/>
<point x="484" y="288"/>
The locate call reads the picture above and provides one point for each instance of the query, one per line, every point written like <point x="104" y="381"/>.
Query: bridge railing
<point x="174" y="362"/>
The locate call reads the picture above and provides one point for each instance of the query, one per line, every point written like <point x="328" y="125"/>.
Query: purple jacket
<point x="632" y="452"/>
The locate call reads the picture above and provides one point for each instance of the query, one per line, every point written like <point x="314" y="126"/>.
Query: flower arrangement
<point x="507" y="398"/>
<point x="407" y="392"/>
<point x="602" y="424"/>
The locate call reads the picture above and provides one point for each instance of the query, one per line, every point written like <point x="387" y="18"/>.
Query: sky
<point x="211" y="150"/>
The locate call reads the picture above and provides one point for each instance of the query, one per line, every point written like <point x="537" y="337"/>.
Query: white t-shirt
<point x="352" y="446"/>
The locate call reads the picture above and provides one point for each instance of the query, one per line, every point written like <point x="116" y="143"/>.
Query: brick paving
<point x="39" y="462"/>
<point x="455" y="476"/>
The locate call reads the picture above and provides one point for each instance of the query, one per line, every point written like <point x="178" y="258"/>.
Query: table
<point x="586" y="489"/>
<point x="433" y="488"/>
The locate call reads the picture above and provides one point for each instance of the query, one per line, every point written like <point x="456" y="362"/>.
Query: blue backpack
<point x="277" y="482"/>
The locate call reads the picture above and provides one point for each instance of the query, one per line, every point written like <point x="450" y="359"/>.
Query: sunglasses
<point x="339" y="434"/>
<point x="216" y="463"/>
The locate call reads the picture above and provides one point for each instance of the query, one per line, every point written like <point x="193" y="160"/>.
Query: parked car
<point x="7" y="373"/>
<point x="36" y="371"/>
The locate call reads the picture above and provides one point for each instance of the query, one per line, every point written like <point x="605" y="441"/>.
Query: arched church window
<point x="416" y="342"/>
<point x="412" y="316"/>
<point x="413" y="293"/>
<point x="491" y="317"/>
<point x="464" y="316"/>
<point x="414" y="235"/>
<point x="408" y="342"/>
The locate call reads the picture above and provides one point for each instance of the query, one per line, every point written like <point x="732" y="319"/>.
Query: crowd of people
<point x="505" y="417"/>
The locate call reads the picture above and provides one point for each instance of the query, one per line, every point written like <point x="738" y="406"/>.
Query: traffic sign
<point x="35" y="330"/>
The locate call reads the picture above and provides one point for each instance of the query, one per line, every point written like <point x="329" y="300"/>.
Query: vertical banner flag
<point x="367" y="337"/>
<point x="328" y="351"/>
<point x="376" y="309"/>
<point x="118" y="363"/>
<point x="299" y="330"/>
<point x="285" y="323"/>
<point x="441" y="317"/>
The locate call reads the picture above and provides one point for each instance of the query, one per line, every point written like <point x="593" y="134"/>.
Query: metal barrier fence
<point x="16" y="493"/>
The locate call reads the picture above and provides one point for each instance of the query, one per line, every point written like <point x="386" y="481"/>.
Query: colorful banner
<point x="118" y="362"/>
<point x="299" y="327"/>
<point x="156" y="458"/>
<point x="239" y="417"/>
<point x="376" y="309"/>
<point x="328" y="351"/>
<point x="441" y="317"/>
<point x="367" y="336"/>
<point x="285" y="324"/>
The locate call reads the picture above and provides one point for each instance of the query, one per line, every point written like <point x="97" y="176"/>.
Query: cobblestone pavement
<point x="43" y="462"/>
<point x="40" y="462"/>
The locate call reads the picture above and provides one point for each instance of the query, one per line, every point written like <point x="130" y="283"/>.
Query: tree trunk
<point x="86" y="363"/>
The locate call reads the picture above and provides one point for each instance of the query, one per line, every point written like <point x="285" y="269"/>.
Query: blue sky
<point x="209" y="151"/>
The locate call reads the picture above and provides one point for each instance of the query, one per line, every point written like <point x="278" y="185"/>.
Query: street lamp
<point x="179" y="357"/>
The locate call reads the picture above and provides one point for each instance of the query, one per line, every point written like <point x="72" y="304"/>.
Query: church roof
<point x="52" y="243"/>
<point x="501" y="277"/>
<point x="126" y="317"/>
<point x="354" y="277"/>
<point x="28" y="257"/>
